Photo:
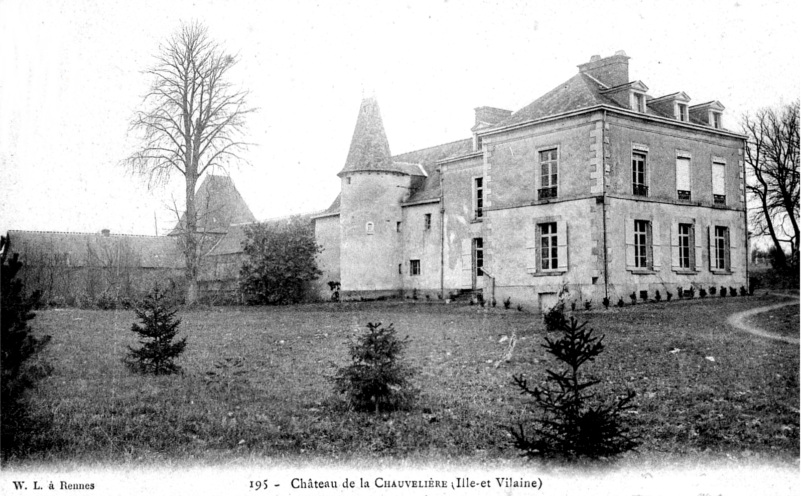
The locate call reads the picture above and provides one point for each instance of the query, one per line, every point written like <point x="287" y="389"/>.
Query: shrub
<point x="633" y="297"/>
<point x="377" y="379"/>
<point x="680" y="292"/>
<point x="18" y="372"/>
<point x="157" y="352"/>
<point x="702" y="293"/>
<point x="507" y="303"/>
<point x="554" y="318"/>
<point x="668" y="295"/>
<point x="334" y="286"/>
<point x="692" y="292"/>
<point x="657" y="296"/>
<point x="280" y="262"/>
<point x="574" y="422"/>
<point x="713" y="290"/>
<point x="519" y="308"/>
<point x="494" y="302"/>
<point x="106" y="301"/>
<point x="620" y="302"/>
<point x="573" y="306"/>
<point x="588" y="305"/>
<point x="723" y="291"/>
<point x="743" y="291"/>
<point x="732" y="291"/>
<point x="605" y="302"/>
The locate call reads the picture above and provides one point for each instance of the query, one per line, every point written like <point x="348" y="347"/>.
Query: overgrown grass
<point x="271" y="399"/>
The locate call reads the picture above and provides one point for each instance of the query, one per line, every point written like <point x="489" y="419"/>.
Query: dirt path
<point x="738" y="320"/>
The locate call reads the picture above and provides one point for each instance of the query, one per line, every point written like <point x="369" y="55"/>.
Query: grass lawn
<point x="781" y="321"/>
<point x="703" y="387"/>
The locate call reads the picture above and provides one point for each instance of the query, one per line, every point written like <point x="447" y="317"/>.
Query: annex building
<point x="595" y="189"/>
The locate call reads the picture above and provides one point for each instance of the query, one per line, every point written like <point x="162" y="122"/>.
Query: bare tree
<point x="772" y="157"/>
<point x="192" y="123"/>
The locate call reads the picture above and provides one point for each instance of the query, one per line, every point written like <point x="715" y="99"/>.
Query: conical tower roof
<point x="369" y="147"/>
<point x="218" y="204"/>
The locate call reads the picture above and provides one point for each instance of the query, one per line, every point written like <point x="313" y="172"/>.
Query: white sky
<point x="70" y="80"/>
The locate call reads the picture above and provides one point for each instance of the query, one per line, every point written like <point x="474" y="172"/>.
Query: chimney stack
<point x="105" y="232"/>
<point x="611" y="71"/>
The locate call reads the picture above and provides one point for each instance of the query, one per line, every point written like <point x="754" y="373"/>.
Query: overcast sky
<point x="71" y="78"/>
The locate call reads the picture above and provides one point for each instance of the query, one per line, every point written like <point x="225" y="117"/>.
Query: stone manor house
<point x="595" y="189"/>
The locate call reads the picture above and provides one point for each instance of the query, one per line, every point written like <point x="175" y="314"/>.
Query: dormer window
<point x="638" y="102"/>
<point x="682" y="113"/>
<point x="715" y="119"/>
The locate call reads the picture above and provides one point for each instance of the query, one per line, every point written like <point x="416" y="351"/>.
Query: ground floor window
<point x="414" y="267"/>
<point x="642" y="244"/>
<point x="549" y="252"/>
<point x="686" y="246"/>
<point x="721" y="248"/>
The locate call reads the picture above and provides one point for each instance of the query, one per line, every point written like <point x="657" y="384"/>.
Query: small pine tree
<point x="157" y="332"/>
<point x="605" y="301"/>
<point x="669" y="295"/>
<point x="620" y="302"/>
<point x="19" y="347"/>
<point x="658" y="296"/>
<point x="377" y="379"/>
<point x="507" y="303"/>
<point x="702" y="293"/>
<point x="574" y="422"/>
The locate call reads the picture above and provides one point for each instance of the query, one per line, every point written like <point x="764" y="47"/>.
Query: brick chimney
<point x="611" y="71"/>
<point x="491" y="115"/>
<point x="105" y="232"/>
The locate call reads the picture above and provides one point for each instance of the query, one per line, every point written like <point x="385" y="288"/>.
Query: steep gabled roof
<point x="94" y="249"/>
<point x="580" y="91"/>
<point x="219" y="205"/>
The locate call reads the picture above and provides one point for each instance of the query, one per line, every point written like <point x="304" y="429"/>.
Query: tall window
<point x="642" y="244"/>
<point x="414" y="267"/>
<point x="721" y="256"/>
<point x="549" y="173"/>
<point x="640" y="187"/>
<point x="478" y="256"/>
<point x="428" y="222"/>
<point x="549" y="252"/>
<point x="683" y="178"/>
<point x="478" y="197"/>
<point x="719" y="183"/>
<point x="686" y="246"/>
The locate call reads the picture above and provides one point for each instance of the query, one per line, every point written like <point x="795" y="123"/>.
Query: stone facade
<point x="588" y="192"/>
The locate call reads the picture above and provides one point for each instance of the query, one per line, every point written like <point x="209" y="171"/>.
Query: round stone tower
<point x="373" y="188"/>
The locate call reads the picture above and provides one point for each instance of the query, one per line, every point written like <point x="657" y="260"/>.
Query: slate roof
<point x="429" y="189"/>
<point x="89" y="249"/>
<point x="580" y="91"/>
<point x="219" y="205"/>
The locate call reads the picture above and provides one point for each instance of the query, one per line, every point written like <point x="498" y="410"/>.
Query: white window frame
<point x="369" y="228"/>
<point x="643" y="245"/>
<point x="414" y="267"/>
<point x="548" y="234"/>
<point x="553" y="170"/>
<point x="721" y="248"/>
<point x="686" y="246"/>
<point x="427" y="222"/>
<point x="640" y="150"/>
<point x="478" y="256"/>
<point x="682" y="112"/>
<point x="478" y="189"/>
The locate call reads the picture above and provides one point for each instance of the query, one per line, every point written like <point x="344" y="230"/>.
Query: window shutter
<point x="674" y="245"/>
<point x="718" y="179"/>
<point x="683" y="174"/>
<point x="532" y="246"/>
<point x="732" y="249"/>
<point x="710" y="245"/>
<point x="737" y="253"/>
<point x="699" y="248"/>
<point x="561" y="244"/>
<point x="656" y="245"/>
<point x="629" y="243"/>
<point x="467" y="263"/>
